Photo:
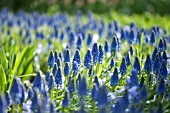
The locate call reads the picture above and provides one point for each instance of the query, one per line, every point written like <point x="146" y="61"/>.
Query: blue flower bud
<point x="51" y="82"/>
<point x="82" y="89"/>
<point x="161" y="87"/>
<point x="161" y="45"/>
<point x="106" y="47"/>
<point x="59" y="62"/>
<point x="79" y="41"/>
<point x="30" y="93"/>
<point x="51" y="60"/>
<point x="131" y="50"/>
<point x="114" y="45"/>
<point x="39" y="82"/>
<point x="61" y="57"/>
<point x="95" y="53"/>
<point x="89" y="39"/>
<point x="47" y="75"/>
<point x="128" y="62"/>
<point x="66" y="100"/>
<point x="123" y="67"/>
<point x="8" y="99"/>
<point x="16" y="91"/>
<point x="88" y="59"/>
<point x="156" y="64"/>
<point x="102" y="96"/>
<point x="96" y="81"/>
<point x="75" y="67"/>
<point x="3" y="104"/>
<point x="152" y="38"/>
<point x="70" y="86"/>
<point x="114" y="78"/>
<point x="154" y="54"/>
<point x="112" y="63"/>
<point x="66" y="69"/>
<point x="134" y="78"/>
<point x="67" y="56"/>
<point x="163" y="72"/>
<point x="52" y="107"/>
<point x="94" y="91"/>
<point x="101" y="54"/>
<point x="164" y="56"/>
<point x="35" y="101"/>
<point x="58" y="77"/>
<point x="56" y="55"/>
<point x="77" y="58"/>
<point x="148" y="64"/>
<point x="143" y="92"/>
<point x="54" y="71"/>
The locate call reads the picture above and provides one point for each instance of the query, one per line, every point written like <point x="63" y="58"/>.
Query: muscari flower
<point x="152" y="38"/>
<point x="156" y="64"/>
<point x="82" y="89"/>
<point x="131" y="50"/>
<point x="128" y="62"/>
<point x="114" y="45"/>
<point x="134" y="78"/>
<point x="70" y="86"/>
<point x="67" y="56"/>
<point x="58" y="77"/>
<point x="3" y="104"/>
<point x="102" y="96"/>
<point x="164" y="41"/>
<point x="163" y="72"/>
<point x="66" y="69"/>
<point x="51" y="82"/>
<point x="89" y="39"/>
<point x="95" y="53"/>
<point x="23" y="93"/>
<point x="112" y="63"/>
<point x="66" y="100"/>
<point x="79" y="41"/>
<point x="94" y="91"/>
<point x="161" y="87"/>
<point x="54" y="70"/>
<point x="56" y="55"/>
<point x="143" y="92"/>
<point x="39" y="82"/>
<point x="52" y="107"/>
<point x="30" y="93"/>
<point x="75" y="67"/>
<point x="61" y="57"/>
<point x="35" y="101"/>
<point x="8" y="99"/>
<point x="155" y="51"/>
<point x="77" y="58"/>
<point x="16" y="91"/>
<point x="161" y="45"/>
<point x="96" y="81"/>
<point x="124" y="101"/>
<point x="47" y="75"/>
<point x="164" y="56"/>
<point x="123" y="67"/>
<point x="101" y="54"/>
<point x="88" y="59"/>
<point x="114" y="78"/>
<point x="51" y="60"/>
<point x="106" y="47"/>
<point x="59" y="62"/>
<point x="148" y="64"/>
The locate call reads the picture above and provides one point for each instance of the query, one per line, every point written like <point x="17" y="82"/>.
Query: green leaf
<point x="2" y="79"/>
<point x="4" y="60"/>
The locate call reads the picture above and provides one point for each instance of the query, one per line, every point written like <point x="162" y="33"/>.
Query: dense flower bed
<point x="93" y="65"/>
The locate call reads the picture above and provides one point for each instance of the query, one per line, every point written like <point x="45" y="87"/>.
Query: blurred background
<point x="161" y="7"/>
